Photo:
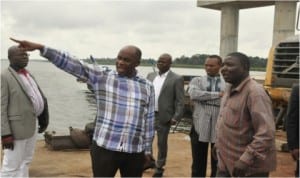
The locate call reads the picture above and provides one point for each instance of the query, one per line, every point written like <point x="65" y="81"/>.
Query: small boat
<point x="77" y="138"/>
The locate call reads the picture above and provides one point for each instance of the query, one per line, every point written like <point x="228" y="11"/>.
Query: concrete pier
<point x="284" y="20"/>
<point x="229" y="29"/>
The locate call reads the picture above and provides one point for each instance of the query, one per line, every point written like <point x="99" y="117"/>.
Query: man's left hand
<point x="239" y="169"/>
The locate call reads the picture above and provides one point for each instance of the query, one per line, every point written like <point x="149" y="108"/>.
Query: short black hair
<point x="11" y="51"/>
<point x="216" y="56"/>
<point x="243" y="58"/>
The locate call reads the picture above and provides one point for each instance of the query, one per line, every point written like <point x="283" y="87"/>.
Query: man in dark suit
<point x="292" y="126"/>
<point x="169" y="103"/>
<point x="24" y="113"/>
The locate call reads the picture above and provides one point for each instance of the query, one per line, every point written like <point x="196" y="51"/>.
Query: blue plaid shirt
<point x="125" y="106"/>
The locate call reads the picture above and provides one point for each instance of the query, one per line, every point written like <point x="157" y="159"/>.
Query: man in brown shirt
<point x="245" y="128"/>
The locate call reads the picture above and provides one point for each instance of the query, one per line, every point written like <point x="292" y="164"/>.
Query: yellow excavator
<point x="281" y="74"/>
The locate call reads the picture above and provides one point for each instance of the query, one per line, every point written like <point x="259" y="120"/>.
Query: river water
<point x="70" y="102"/>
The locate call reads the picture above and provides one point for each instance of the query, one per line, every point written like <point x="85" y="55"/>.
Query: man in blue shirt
<point x="125" y="110"/>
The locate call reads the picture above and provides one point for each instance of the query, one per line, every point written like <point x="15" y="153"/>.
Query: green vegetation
<point x="195" y="61"/>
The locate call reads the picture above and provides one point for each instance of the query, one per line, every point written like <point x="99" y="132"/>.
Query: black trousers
<point x="199" y="156"/>
<point x="105" y="163"/>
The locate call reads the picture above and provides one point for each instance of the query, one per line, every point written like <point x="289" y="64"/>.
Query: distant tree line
<point x="196" y="61"/>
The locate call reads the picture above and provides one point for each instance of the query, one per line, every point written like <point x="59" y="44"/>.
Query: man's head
<point x="235" y="68"/>
<point x="128" y="59"/>
<point x="17" y="57"/>
<point x="213" y="63"/>
<point x="164" y="63"/>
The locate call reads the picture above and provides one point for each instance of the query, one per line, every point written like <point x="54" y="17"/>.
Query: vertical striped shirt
<point x="204" y="92"/>
<point x="125" y="106"/>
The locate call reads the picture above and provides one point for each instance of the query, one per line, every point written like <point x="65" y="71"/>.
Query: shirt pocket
<point x="232" y="115"/>
<point x="14" y="117"/>
<point x="17" y="125"/>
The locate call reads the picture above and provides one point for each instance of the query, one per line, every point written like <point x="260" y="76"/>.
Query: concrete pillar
<point x="284" y="20"/>
<point x="229" y="29"/>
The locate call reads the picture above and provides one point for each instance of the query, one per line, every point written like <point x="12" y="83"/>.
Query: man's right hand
<point x="8" y="142"/>
<point x="27" y="45"/>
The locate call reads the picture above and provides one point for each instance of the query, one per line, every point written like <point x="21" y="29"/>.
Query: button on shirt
<point x="246" y="129"/>
<point x="125" y="106"/>
<point x="158" y="83"/>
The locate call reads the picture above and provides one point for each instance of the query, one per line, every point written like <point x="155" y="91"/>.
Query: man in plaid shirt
<point x="125" y="110"/>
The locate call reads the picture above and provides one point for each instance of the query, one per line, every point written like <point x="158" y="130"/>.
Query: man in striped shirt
<point x="124" y="129"/>
<point x="205" y="92"/>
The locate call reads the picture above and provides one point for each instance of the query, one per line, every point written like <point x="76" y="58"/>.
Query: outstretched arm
<point x="61" y="59"/>
<point x="27" y="45"/>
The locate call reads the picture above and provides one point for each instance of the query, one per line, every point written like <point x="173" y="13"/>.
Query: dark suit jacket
<point x="292" y="123"/>
<point x="17" y="113"/>
<point x="171" y="98"/>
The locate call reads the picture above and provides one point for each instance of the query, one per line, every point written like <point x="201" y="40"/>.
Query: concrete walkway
<point x="76" y="163"/>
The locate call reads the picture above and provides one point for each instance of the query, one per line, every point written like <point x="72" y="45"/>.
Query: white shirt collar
<point x="164" y="74"/>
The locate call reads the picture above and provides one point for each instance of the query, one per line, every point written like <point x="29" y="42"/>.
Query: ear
<point x="137" y="63"/>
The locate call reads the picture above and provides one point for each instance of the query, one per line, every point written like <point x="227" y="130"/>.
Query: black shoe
<point x="158" y="172"/>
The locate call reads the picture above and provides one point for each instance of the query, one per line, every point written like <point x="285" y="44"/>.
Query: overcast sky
<point x="101" y="28"/>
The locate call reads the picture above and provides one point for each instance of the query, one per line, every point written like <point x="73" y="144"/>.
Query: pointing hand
<point x="27" y="45"/>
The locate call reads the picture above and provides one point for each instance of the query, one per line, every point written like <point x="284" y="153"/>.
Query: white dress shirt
<point x="158" y="83"/>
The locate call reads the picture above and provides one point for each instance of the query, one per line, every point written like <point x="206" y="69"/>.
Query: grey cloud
<point x="178" y="25"/>
<point x="116" y="16"/>
<point x="63" y="15"/>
